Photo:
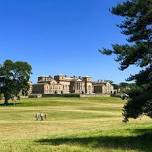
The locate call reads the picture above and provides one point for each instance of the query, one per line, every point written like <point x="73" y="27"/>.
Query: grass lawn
<point x="73" y="125"/>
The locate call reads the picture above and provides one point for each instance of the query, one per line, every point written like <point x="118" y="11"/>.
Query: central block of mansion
<point x="61" y="84"/>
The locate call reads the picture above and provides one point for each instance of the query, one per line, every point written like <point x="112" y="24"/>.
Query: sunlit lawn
<point x="73" y="125"/>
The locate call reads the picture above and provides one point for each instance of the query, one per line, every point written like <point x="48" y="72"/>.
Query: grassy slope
<point x="73" y="125"/>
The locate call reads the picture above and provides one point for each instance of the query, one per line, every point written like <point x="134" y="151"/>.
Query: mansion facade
<point x="62" y="84"/>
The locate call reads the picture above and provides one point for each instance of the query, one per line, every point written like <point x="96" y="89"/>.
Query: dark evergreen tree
<point x="137" y="26"/>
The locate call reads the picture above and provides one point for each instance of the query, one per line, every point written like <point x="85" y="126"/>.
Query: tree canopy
<point x="16" y="77"/>
<point x="137" y="26"/>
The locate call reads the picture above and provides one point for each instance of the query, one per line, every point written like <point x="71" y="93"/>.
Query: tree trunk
<point x="6" y="100"/>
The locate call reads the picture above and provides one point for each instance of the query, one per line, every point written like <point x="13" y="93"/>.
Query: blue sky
<point x="61" y="37"/>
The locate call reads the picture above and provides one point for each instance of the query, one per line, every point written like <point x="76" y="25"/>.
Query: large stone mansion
<point x="62" y="84"/>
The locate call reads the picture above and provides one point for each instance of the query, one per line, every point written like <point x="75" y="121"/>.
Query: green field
<point x="73" y="125"/>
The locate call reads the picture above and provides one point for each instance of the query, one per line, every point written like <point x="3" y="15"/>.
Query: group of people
<point x="40" y="116"/>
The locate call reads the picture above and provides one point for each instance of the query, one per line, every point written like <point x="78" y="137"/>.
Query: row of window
<point x="57" y="87"/>
<point x="66" y="87"/>
<point x="54" y="92"/>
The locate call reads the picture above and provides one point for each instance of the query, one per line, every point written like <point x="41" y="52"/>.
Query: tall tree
<point x="137" y="26"/>
<point x="16" y="76"/>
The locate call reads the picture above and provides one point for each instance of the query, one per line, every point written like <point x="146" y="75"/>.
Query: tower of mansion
<point x="62" y="84"/>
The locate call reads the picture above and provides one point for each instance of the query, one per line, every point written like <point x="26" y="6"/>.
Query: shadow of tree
<point x="142" y="131"/>
<point x="9" y="104"/>
<point x="141" y="141"/>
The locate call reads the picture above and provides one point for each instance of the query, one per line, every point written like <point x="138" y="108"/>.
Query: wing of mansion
<point x="62" y="84"/>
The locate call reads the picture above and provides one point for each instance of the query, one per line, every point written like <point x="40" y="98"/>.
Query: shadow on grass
<point x="141" y="141"/>
<point x="9" y="104"/>
<point x="142" y="131"/>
